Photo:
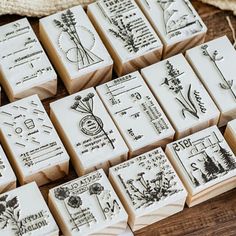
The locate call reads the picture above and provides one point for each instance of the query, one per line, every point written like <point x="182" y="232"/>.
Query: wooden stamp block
<point x="215" y="62"/>
<point x="230" y="135"/>
<point x="24" y="67"/>
<point x="88" y="132"/>
<point x="32" y="145"/>
<point x="24" y="212"/>
<point x="7" y="176"/>
<point x="176" y="22"/>
<point x="75" y="49"/>
<point x="205" y="164"/>
<point x="149" y="188"/>
<point x="136" y="112"/>
<point x="181" y="95"/>
<point x="88" y="206"/>
<point x="129" y="37"/>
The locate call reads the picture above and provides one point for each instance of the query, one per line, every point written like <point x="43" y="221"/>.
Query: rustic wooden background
<point x="214" y="217"/>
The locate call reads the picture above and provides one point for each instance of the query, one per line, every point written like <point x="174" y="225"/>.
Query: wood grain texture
<point x="213" y="217"/>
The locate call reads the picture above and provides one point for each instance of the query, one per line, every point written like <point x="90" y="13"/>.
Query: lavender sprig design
<point x="215" y="58"/>
<point x="174" y="84"/>
<point x="68" y="25"/>
<point x="10" y="214"/>
<point x="124" y="32"/>
<point x="85" y="106"/>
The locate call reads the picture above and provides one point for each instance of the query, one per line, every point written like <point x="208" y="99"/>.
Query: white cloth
<point x="223" y="4"/>
<point x="46" y="7"/>
<point x="37" y="7"/>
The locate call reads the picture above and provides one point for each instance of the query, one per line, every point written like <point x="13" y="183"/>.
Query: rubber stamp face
<point x="31" y="135"/>
<point x="76" y="41"/>
<point x="88" y="205"/>
<point x="19" y="216"/>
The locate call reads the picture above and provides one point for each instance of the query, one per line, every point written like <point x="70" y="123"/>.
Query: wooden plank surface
<point x="214" y="217"/>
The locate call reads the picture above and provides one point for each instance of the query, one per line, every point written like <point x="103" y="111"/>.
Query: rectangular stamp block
<point x="75" y="49"/>
<point x="129" y="37"/>
<point x="149" y="188"/>
<point x="7" y="175"/>
<point x="88" y="132"/>
<point x="24" y="67"/>
<point x="88" y="206"/>
<point x="136" y="113"/>
<point x="205" y="164"/>
<point x="32" y="145"/>
<point x="24" y="212"/>
<point x="215" y="62"/>
<point x="182" y="96"/>
<point x="176" y="22"/>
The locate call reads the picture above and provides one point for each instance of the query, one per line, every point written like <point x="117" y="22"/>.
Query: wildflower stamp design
<point x="7" y="176"/>
<point x="88" y="205"/>
<point x="90" y="132"/>
<point x="176" y="22"/>
<point x="203" y="160"/>
<point x="35" y="146"/>
<point x="20" y="216"/>
<point x="137" y="114"/>
<point x="174" y="83"/>
<point x="144" y="183"/>
<point x="129" y="35"/>
<point x="25" y="67"/>
<point x="82" y="60"/>
<point x="182" y="96"/>
<point x="215" y="59"/>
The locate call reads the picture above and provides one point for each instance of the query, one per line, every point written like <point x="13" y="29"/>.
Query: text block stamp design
<point x="24" y="66"/>
<point x="31" y="142"/>
<point x="136" y="112"/>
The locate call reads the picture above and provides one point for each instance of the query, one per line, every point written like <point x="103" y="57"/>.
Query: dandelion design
<point x="174" y="21"/>
<point x="173" y="82"/>
<point x="216" y="58"/>
<point x="10" y="214"/>
<point x="76" y="48"/>
<point x="80" y="218"/>
<point x="145" y="190"/>
<point x="90" y="124"/>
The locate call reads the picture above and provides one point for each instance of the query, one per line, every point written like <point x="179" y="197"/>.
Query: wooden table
<point x="214" y="217"/>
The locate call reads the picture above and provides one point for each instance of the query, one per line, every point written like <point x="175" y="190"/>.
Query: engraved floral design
<point x="86" y="106"/>
<point x="74" y="201"/>
<point x="215" y="58"/>
<point x="173" y="82"/>
<point x="96" y="189"/>
<point x="10" y="214"/>
<point x="62" y="193"/>
<point x="84" y="57"/>
<point x="148" y="191"/>
<point x="124" y="31"/>
<point x="175" y="21"/>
